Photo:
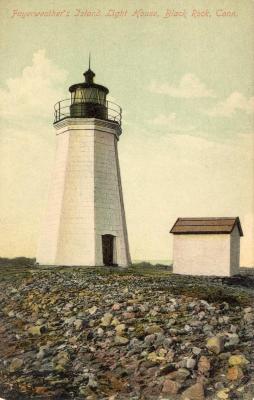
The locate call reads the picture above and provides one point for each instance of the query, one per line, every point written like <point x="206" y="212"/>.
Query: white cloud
<point x="33" y="93"/>
<point x="171" y="122"/>
<point x="236" y="101"/>
<point x="189" y="87"/>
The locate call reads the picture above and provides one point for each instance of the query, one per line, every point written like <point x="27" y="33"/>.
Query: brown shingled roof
<point x="206" y="225"/>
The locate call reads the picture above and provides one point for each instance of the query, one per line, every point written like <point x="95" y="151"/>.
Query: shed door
<point x="108" y="249"/>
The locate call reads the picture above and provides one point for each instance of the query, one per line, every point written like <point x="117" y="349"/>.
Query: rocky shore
<point x="100" y="334"/>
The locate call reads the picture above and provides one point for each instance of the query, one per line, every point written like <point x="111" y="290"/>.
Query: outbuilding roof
<point x="206" y="225"/>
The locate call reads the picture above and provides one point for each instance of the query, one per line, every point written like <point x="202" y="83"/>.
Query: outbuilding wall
<point x="234" y="251"/>
<point x="201" y="254"/>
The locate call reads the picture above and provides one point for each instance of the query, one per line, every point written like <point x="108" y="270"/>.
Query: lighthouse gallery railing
<point x="62" y="111"/>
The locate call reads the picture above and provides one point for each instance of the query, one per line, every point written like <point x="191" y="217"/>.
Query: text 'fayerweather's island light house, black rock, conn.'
<point x="85" y="219"/>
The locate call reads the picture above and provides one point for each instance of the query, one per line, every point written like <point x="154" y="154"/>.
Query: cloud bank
<point x="32" y="94"/>
<point x="189" y="86"/>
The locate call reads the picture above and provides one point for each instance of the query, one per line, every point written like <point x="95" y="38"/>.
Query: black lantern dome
<point x="88" y="99"/>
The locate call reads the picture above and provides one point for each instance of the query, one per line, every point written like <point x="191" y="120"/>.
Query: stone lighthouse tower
<point x="85" y="219"/>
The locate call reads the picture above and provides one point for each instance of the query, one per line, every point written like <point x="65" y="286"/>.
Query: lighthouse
<point x="85" y="224"/>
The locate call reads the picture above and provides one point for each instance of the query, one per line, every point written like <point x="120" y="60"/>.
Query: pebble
<point x="234" y="373"/>
<point x="190" y="363"/>
<point x="121" y="340"/>
<point x="204" y="365"/>
<point x="194" y="392"/>
<point x="106" y="319"/>
<point x="238" y="359"/>
<point x="196" y="350"/>
<point x="215" y="344"/>
<point x="120" y="328"/>
<point x="232" y="340"/>
<point x="16" y="364"/>
<point x="223" y="394"/>
<point x="35" y="330"/>
<point x="170" y="387"/>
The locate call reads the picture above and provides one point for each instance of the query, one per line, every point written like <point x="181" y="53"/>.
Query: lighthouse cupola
<point x="88" y="99"/>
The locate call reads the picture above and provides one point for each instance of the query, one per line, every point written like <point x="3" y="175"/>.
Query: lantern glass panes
<point x="88" y="95"/>
<point x="102" y="97"/>
<point x="78" y="96"/>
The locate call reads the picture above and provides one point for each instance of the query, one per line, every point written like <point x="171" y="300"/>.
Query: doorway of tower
<point x="108" y="244"/>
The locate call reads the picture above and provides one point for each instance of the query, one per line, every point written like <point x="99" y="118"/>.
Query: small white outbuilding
<point x="206" y="246"/>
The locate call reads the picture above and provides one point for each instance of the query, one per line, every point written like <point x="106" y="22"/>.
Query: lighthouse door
<point x="108" y="249"/>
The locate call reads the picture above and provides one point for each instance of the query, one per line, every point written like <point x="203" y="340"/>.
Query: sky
<point x="185" y="84"/>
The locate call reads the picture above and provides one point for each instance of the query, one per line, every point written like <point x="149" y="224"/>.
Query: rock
<point x="128" y="315"/>
<point x="233" y="328"/>
<point x="234" y="373"/>
<point x="115" y="322"/>
<point x="201" y="315"/>
<point x="160" y="339"/>
<point x="218" y="385"/>
<point x="233" y="340"/>
<point x="153" y="329"/>
<point x="223" y="394"/>
<point x="207" y="329"/>
<point x="180" y="375"/>
<point x="16" y="364"/>
<point x="196" y="350"/>
<point x="167" y="342"/>
<point x="120" y="329"/>
<point x="69" y="321"/>
<point x="187" y="328"/>
<point x="100" y="332"/>
<point x="92" y="310"/>
<point x="121" y="340"/>
<point x="171" y="322"/>
<point x="150" y="339"/>
<point x="248" y="317"/>
<point x="204" y="365"/>
<point x="61" y="360"/>
<point x="215" y="344"/>
<point x="42" y="352"/>
<point x="170" y="387"/>
<point x="190" y="363"/>
<point x="40" y="390"/>
<point x="11" y="314"/>
<point x="154" y="357"/>
<point x="106" y="319"/>
<point x="78" y="324"/>
<point x="194" y="392"/>
<point x="238" y="359"/>
<point x="35" y="330"/>
<point x="116" y="307"/>
<point x="92" y="382"/>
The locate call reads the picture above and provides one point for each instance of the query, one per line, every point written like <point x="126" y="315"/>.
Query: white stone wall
<point x="86" y="197"/>
<point x="48" y="242"/>
<point x="234" y="251"/>
<point x="201" y="254"/>
<point x="109" y="210"/>
<point x="76" y="234"/>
